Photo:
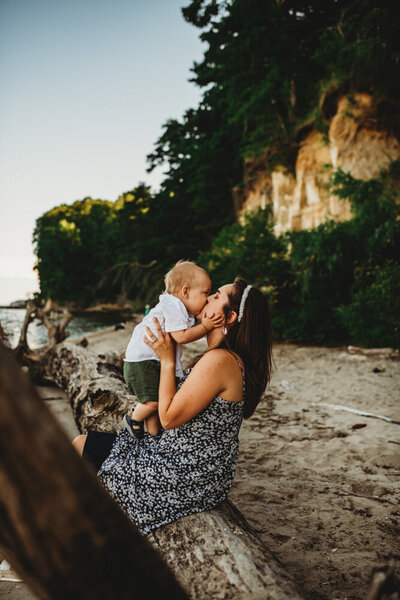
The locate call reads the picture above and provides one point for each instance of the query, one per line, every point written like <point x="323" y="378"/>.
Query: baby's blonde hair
<point x="185" y="272"/>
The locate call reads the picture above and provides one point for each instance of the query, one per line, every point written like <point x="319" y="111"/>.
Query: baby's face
<point x="198" y="294"/>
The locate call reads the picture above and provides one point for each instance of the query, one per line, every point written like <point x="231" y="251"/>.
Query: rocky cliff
<point x="358" y="142"/>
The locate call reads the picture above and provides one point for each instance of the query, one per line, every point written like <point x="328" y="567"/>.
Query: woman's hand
<point x="163" y="345"/>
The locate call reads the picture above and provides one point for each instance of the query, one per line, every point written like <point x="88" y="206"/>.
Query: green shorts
<point x="143" y="379"/>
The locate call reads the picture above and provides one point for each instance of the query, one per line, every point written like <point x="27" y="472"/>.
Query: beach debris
<point x="287" y="385"/>
<point x="356" y="411"/>
<point x="4" y="338"/>
<point x="56" y="320"/>
<point x="358" y="425"/>
<point x="53" y="318"/>
<point x="119" y="326"/>
<point x="84" y="343"/>
<point x="384" y="352"/>
<point x="378" y="370"/>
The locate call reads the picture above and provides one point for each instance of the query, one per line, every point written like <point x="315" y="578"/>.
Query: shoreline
<point x="127" y="315"/>
<point x="94" y="310"/>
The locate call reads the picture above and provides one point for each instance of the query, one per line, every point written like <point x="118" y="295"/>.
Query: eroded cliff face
<point x="356" y="143"/>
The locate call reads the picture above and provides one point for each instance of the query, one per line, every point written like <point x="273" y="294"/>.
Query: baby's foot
<point x="134" y="428"/>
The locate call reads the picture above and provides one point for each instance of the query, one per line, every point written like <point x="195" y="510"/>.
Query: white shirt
<point x="172" y="315"/>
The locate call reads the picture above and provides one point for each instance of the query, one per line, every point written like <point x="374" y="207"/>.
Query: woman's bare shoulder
<point x="217" y="357"/>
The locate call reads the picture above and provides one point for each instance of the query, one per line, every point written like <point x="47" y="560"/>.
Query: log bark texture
<point x="95" y="387"/>
<point x="54" y="319"/>
<point x="214" y="554"/>
<point x="59" y="528"/>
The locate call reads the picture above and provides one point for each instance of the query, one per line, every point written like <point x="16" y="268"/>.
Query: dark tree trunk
<point x="59" y="528"/>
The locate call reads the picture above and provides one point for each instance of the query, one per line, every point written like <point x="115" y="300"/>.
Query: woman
<point x="190" y="466"/>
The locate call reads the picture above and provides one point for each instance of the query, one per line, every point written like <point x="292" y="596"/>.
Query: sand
<point x="320" y="486"/>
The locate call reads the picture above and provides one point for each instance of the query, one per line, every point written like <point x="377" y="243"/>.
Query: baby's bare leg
<point x="144" y="411"/>
<point x="153" y="424"/>
<point x="79" y="443"/>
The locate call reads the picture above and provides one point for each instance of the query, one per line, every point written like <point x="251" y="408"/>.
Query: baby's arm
<point x="184" y="336"/>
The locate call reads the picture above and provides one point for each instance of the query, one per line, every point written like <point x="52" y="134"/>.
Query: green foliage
<point x="321" y="261"/>
<point x="249" y="250"/>
<point x="72" y="244"/>
<point x="338" y="282"/>
<point x="265" y="67"/>
<point x="362" y="47"/>
<point x="330" y="265"/>
<point x="76" y="245"/>
<point x="266" y="62"/>
<point x="373" y="315"/>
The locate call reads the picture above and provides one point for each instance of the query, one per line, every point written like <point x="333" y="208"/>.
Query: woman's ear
<point x="232" y="317"/>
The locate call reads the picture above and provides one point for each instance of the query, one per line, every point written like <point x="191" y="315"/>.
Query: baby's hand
<point x="212" y="321"/>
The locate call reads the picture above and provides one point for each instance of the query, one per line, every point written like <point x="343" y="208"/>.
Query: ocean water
<point x="13" y="318"/>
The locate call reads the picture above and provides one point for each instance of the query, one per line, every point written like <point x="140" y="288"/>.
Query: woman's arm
<point x="206" y="380"/>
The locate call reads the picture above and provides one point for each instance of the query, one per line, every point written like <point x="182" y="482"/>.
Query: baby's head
<point x="190" y="283"/>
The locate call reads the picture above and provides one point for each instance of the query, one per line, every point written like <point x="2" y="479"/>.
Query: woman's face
<point x="216" y="301"/>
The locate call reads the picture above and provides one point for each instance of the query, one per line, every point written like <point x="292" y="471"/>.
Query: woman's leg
<point x="79" y="443"/>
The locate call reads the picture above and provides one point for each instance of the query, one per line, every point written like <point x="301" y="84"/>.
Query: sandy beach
<point x="319" y="485"/>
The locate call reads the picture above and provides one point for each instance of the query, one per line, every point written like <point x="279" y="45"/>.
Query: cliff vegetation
<point x="285" y="173"/>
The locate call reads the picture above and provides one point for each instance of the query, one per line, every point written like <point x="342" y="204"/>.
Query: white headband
<point x="243" y="302"/>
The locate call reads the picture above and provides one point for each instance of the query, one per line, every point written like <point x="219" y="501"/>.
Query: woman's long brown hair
<point x="251" y="339"/>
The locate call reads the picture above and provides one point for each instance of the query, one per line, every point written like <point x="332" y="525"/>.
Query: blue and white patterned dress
<point x="182" y="471"/>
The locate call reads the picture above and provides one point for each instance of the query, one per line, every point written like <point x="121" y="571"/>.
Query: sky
<point x="85" y="87"/>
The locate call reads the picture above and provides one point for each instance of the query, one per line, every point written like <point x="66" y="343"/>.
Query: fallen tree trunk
<point x="59" y="528"/>
<point x="95" y="387"/>
<point x="214" y="554"/>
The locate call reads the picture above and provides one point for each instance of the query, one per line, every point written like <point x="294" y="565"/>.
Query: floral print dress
<point x="181" y="471"/>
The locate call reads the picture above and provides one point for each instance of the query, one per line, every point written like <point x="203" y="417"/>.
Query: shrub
<point x="372" y="317"/>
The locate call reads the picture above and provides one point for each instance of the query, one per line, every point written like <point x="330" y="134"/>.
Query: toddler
<point x="187" y="287"/>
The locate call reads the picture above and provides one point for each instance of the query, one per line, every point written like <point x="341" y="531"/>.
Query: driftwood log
<point x="374" y="352"/>
<point x="55" y="320"/>
<point x="3" y="337"/>
<point x="52" y="317"/>
<point x="94" y="384"/>
<point x="214" y="554"/>
<point x="59" y="528"/>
